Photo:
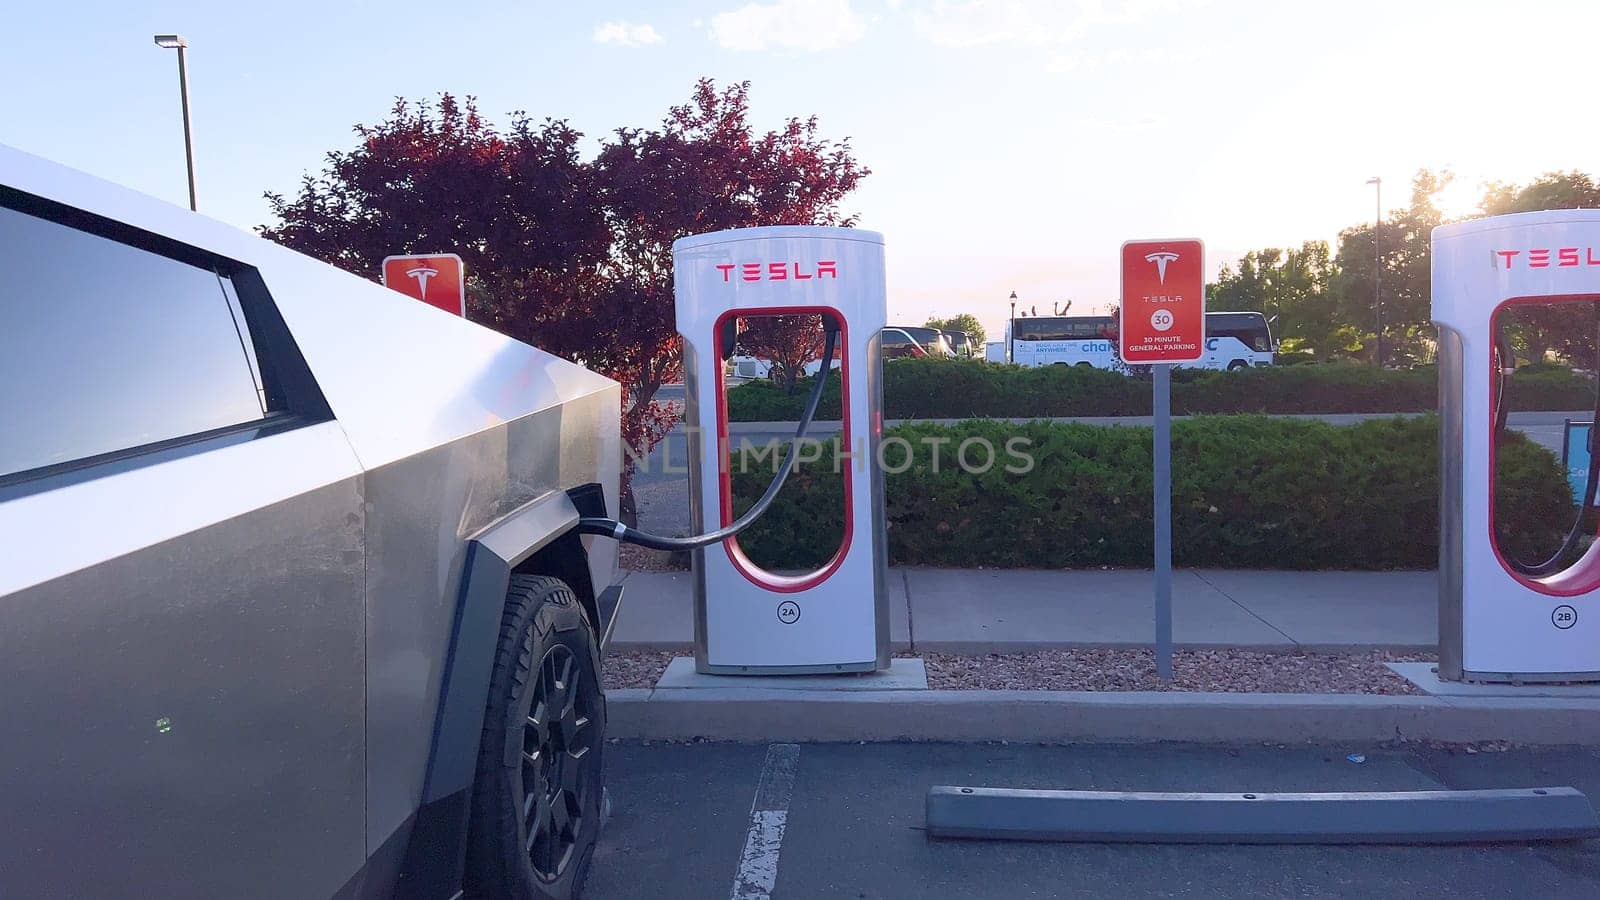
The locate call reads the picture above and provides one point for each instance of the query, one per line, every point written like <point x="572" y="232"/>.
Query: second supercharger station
<point x="750" y="621"/>
<point x="1501" y="618"/>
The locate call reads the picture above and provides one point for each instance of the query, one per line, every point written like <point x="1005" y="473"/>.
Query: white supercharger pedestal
<point x="1496" y="623"/>
<point x="749" y="620"/>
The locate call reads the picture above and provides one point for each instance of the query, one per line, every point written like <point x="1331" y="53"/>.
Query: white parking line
<point x="769" y="814"/>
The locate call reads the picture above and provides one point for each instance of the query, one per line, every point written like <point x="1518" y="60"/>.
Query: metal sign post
<point x="1162" y="322"/>
<point x="1161" y="405"/>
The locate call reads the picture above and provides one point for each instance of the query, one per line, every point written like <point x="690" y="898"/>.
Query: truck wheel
<point x="536" y="800"/>
<point x="1238" y="364"/>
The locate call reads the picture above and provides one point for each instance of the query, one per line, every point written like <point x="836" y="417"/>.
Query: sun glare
<point x="1459" y="199"/>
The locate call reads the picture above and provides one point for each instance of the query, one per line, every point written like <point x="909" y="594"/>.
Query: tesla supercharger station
<point x="1496" y="621"/>
<point x="749" y="620"/>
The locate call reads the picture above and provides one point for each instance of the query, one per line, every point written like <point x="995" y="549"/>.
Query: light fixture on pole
<point x="1011" y="328"/>
<point x="1377" y="265"/>
<point x="176" y="42"/>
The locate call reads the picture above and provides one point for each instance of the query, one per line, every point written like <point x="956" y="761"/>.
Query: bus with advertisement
<point x="1234" y="340"/>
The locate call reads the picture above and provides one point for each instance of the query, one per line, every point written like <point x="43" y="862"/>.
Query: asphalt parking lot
<point x="682" y="823"/>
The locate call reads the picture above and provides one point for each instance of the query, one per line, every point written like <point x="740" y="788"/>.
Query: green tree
<point x="1552" y="190"/>
<point x="961" y="322"/>
<point x="1406" y="254"/>
<point x="570" y="254"/>
<point x="1326" y="304"/>
<point x="1568" y="329"/>
<point x="1291" y="285"/>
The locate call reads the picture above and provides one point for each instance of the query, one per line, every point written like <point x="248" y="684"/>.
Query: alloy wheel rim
<point x="557" y="750"/>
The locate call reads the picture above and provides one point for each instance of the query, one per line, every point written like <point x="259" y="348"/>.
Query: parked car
<point x="896" y="343"/>
<point x="745" y="366"/>
<point x="931" y="340"/>
<point x="291" y="601"/>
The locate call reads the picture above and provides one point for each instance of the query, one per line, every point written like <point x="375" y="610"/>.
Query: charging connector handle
<point x="613" y="529"/>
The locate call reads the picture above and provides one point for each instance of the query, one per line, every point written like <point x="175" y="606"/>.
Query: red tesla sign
<point x="1163" y="302"/>
<point x="437" y="279"/>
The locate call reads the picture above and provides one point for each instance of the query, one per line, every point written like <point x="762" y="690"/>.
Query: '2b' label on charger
<point x="1564" y="617"/>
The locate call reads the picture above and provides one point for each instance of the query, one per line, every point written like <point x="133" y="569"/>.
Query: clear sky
<point x="1014" y="144"/>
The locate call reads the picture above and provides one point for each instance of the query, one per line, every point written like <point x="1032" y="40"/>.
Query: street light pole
<point x="1377" y="264"/>
<point x="1011" y="329"/>
<point x="176" y="42"/>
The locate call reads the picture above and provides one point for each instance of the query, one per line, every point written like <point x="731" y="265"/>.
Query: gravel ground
<point x="1104" y="669"/>
<point x="637" y="668"/>
<point x="639" y="559"/>
<point x="1228" y="671"/>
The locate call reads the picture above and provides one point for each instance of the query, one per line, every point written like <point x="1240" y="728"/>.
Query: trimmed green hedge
<point x="958" y="389"/>
<point x="763" y="401"/>
<point x="1248" y="492"/>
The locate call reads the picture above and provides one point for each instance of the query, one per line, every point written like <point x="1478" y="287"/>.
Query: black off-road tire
<point x="536" y="801"/>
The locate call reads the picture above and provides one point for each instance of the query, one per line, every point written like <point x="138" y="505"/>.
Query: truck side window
<point x="107" y="347"/>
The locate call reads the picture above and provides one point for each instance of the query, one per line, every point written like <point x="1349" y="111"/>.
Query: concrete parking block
<point x="1015" y="610"/>
<point x="1545" y="814"/>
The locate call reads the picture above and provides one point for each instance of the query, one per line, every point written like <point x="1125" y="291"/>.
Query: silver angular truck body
<point x="242" y="647"/>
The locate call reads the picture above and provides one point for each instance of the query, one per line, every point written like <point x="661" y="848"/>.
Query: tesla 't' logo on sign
<point x="1161" y="258"/>
<point x="437" y="279"/>
<point x="422" y="273"/>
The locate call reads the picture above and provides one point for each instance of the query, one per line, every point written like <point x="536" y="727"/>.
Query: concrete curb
<point x="742" y="714"/>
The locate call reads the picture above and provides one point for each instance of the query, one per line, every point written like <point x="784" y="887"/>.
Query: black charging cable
<point x="1506" y="362"/>
<point x="614" y="529"/>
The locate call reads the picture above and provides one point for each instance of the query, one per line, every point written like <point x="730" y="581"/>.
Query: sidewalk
<point x="1545" y="428"/>
<point x="1012" y="610"/>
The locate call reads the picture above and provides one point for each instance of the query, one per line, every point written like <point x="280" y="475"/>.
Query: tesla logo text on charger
<point x="1544" y="257"/>
<point x="779" y="271"/>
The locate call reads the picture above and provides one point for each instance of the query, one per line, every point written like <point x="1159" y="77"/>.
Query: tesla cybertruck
<point x="292" y="600"/>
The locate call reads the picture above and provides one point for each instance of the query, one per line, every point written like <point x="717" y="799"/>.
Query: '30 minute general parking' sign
<point x="1163" y="318"/>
